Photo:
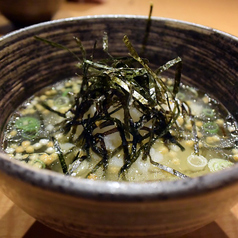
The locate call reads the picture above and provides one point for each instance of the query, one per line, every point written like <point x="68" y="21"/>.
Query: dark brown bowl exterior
<point x="85" y="208"/>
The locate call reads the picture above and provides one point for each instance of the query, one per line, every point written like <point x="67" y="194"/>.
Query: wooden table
<point x="219" y="14"/>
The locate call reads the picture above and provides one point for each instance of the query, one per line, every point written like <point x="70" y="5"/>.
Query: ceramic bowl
<point x="27" y="12"/>
<point x="86" y="208"/>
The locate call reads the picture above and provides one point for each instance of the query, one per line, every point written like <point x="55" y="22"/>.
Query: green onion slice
<point x="181" y="96"/>
<point x="218" y="164"/>
<point x="38" y="164"/>
<point x="193" y="91"/>
<point x="208" y="113"/>
<point x="65" y="93"/>
<point x="196" y="162"/>
<point x="61" y="101"/>
<point x="210" y="127"/>
<point x="28" y="124"/>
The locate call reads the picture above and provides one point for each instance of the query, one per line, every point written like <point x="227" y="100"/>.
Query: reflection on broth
<point x="120" y="120"/>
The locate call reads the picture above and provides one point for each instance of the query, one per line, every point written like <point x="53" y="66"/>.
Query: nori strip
<point x="61" y="156"/>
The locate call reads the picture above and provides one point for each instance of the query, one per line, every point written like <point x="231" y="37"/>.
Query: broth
<point x="205" y="137"/>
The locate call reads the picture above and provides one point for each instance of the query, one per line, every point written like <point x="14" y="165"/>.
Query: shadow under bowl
<point x="85" y="208"/>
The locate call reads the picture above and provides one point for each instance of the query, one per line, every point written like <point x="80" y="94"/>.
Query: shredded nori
<point x="61" y="156"/>
<point x="118" y="84"/>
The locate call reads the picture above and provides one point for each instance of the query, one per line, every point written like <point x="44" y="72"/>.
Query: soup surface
<point x="43" y="133"/>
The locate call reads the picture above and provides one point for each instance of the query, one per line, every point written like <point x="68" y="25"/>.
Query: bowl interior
<point x="27" y="12"/>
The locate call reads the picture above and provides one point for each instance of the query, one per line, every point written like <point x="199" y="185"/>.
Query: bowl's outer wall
<point x="27" y="65"/>
<point x="88" y="218"/>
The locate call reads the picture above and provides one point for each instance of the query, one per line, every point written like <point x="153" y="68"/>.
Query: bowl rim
<point x="112" y="190"/>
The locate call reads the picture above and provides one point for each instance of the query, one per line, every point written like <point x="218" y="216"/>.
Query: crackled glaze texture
<point x="85" y="208"/>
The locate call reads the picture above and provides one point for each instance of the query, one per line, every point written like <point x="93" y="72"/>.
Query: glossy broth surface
<point x="33" y="136"/>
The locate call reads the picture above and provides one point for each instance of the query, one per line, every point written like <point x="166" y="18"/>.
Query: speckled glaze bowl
<point x="93" y="209"/>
